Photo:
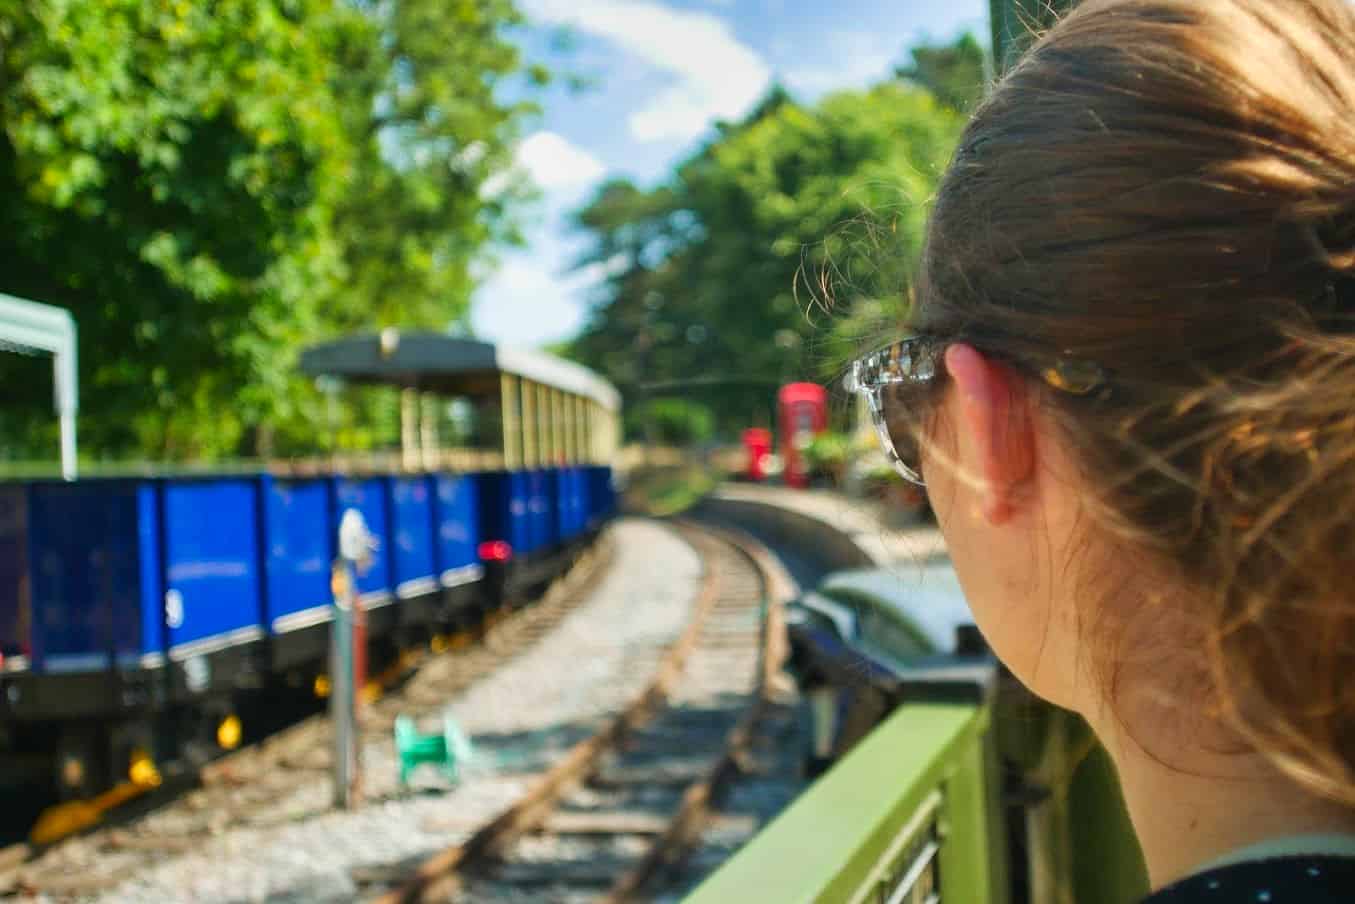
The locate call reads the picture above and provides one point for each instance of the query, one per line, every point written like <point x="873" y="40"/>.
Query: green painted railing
<point x="910" y="816"/>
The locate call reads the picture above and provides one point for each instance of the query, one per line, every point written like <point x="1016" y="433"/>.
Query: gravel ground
<point x="520" y="717"/>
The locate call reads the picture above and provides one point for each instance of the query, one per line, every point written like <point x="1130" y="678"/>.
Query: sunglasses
<point x="896" y="380"/>
<point x="892" y="379"/>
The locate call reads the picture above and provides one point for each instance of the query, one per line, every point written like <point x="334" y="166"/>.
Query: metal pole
<point x="428" y="416"/>
<point x="557" y="429"/>
<point x="343" y="695"/>
<point x="586" y="427"/>
<point x="409" y="429"/>
<point x="355" y="549"/>
<point x="510" y="420"/>
<point x="529" y="426"/>
<point x="65" y="381"/>
<point x="544" y="442"/>
<point x="68" y="458"/>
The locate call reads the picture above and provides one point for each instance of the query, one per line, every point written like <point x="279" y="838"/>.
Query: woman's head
<point x="1162" y="194"/>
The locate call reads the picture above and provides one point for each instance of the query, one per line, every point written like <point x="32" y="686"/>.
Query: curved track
<point x="615" y="818"/>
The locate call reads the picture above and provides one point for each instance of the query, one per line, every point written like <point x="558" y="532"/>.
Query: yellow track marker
<point x="230" y="732"/>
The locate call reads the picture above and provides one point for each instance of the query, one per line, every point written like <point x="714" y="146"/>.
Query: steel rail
<point x="439" y="877"/>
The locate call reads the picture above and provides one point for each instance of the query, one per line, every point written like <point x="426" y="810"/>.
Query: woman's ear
<point x="995" y="430"/>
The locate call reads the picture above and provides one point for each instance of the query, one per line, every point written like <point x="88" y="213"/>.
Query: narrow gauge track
<point x="236" y="788"/>
<point x="616" y="817"/>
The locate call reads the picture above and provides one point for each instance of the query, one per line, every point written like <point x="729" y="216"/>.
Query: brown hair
<point x="1167" y="188"/>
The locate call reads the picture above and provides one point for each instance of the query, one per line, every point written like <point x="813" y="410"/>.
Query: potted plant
<point x="827" y="456"/>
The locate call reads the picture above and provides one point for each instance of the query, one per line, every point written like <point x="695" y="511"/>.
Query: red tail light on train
<point x="495" y="551"/>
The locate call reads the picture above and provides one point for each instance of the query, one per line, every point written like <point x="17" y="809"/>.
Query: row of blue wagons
<point x="138" y="614"/>
<point x="127" y="593"/>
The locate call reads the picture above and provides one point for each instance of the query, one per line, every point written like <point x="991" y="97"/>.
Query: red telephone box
<point x="802" y="414"/>
<point x="757" y="445"/>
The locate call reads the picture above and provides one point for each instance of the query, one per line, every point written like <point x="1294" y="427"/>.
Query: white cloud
<point x="534" y="296"/>
<point x="553" y="162"/>
<point x="531" y="301"/>
<point x="845" y="59"/>
<point x="718" y="77"/>
<point x="526" y="303"/>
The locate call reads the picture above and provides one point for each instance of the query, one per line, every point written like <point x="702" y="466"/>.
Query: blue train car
<point x="376" y="581"/>
<point x="601" y="495"/>
<point x="15" y="610"/>
<point x="457" y="536"/>
<point x="545" y="528"/>
<point x="520" y="549"/>
<point x="436" y="529"/>
<point x="90" y="586"/>
<point x="573" y="503"/>
<point x="300" y="549"/>
<point x="133" y="609"/>
<point x="150" y="584"/>
<point x="413" y="554"/>
<point x="504" y="502"/>
<point x="457" y="524"/>
<point x="564" y="504"/>
<point x="211" y="557"/>
<point x="580" y="480"/>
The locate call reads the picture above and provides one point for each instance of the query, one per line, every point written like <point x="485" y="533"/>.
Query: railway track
<point x="239" y="788"/>
<point x="616" y="817"/>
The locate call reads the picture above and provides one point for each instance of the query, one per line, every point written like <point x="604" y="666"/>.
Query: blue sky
<point x="662" y="73"/>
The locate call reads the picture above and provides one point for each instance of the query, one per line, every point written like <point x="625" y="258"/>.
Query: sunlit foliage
<point x="772" y="254"/>
<point x="209" y="186"/>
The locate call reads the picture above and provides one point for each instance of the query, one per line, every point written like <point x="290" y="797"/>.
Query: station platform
<point x="863" y="521"/>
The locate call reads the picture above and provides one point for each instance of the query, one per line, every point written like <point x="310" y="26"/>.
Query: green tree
<point x="209" y="186"/>
<point x="740" y="272"/>
<point x="954" y="73"/>
<point x="424" y="99"/>
<point x="672" y="422"/>
<point x="165" y="171"/>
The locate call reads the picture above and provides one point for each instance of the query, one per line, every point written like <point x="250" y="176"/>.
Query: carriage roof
<point x="449" y="365"/>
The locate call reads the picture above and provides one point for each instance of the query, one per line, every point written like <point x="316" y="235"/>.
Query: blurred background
<point x="701" y="200"/>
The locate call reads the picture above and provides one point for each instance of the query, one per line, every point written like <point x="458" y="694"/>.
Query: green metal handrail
<point x="910" y="815"/>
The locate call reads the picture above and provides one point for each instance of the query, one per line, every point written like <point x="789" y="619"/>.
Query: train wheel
<point x="82" y="761"/>
<point x="210" y="731"/>
<point x="133" y="750"/>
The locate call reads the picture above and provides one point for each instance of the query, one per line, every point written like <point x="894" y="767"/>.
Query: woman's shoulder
<point x="1276" y="880"/>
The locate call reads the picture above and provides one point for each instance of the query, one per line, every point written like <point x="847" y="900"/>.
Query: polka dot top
<point x="1278" y="880"/>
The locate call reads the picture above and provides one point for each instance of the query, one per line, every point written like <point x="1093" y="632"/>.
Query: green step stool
<point x="447" y="750"/>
